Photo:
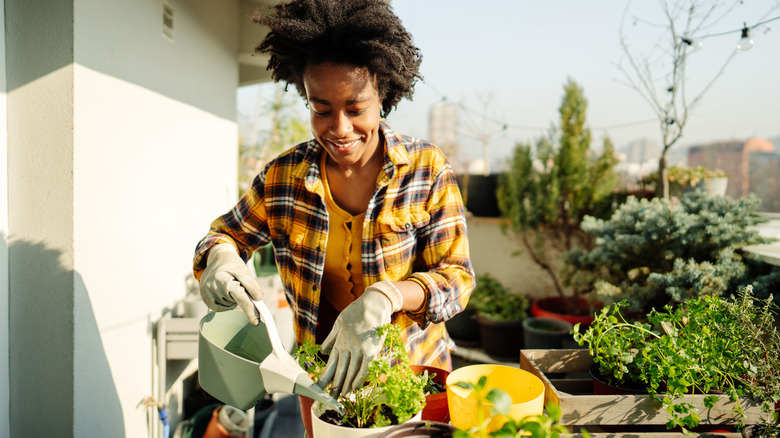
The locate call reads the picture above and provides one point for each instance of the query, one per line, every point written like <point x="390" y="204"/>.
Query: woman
<point x="367" y="225"/>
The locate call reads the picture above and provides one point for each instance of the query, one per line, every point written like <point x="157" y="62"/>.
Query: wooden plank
<point x="584" y="408"/>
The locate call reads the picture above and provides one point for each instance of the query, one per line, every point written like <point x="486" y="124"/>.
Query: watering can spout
<point x="307" y="388"/>
<point x="281" y="373"/>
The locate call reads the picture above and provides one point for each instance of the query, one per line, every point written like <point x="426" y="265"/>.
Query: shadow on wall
<point x="51" y="369"/>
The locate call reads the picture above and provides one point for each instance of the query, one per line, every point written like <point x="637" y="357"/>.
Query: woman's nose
<point x="341" y="125"/>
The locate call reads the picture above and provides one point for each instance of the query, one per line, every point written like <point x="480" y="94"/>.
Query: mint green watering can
<point x="239" y="363"/>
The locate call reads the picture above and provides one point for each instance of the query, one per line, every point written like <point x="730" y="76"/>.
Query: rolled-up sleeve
<point x="445" y="270"/>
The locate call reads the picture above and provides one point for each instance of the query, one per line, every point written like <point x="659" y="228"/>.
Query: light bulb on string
<point x="693" y="45"/>
<point x="745" y="43"/>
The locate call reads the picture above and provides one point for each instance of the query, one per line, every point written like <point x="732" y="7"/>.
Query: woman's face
<point x="344" y="108"/>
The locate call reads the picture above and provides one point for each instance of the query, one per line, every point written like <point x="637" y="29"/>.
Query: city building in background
<point x="443" y="133"/>
<point x="751" y="166"/>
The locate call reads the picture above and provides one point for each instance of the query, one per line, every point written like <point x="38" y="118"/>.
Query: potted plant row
<point x="708" y="345"/>
<point x="500" y="315"/>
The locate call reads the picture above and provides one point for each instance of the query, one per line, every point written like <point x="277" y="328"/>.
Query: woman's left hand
<point x="354" y="343"/>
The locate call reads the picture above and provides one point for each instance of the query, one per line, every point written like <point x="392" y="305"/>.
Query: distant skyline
<point x="517" y="55"/>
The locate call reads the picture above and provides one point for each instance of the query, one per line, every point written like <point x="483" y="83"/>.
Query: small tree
<point x="546" y="197"/>
<point x="276" y="126"/>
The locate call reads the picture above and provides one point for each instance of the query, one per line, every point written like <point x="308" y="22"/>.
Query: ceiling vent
<point x="167" y="21"/>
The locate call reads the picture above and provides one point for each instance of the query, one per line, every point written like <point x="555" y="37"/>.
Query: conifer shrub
<point x="654" y="252"/>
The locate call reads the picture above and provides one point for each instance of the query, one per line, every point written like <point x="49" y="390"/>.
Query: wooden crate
<point x="580" y="407"/>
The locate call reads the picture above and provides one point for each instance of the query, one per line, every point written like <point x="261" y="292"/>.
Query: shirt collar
<point x="395" y="156"/>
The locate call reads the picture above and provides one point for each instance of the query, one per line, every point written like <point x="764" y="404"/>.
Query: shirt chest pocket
<point x="396" y="237"/>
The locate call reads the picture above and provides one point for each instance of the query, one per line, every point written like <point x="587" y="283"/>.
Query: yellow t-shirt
<point x="342" y="279"/>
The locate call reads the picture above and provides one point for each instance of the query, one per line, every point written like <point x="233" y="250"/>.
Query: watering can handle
<point x="270" y="325"/>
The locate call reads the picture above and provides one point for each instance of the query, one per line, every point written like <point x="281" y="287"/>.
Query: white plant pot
<point x="321" y="429"/>
<point x="717" y="186"/>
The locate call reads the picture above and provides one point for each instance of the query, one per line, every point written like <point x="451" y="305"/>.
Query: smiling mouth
<point x="343" y="145"/>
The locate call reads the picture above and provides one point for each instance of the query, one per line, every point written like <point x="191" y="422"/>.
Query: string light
<point x="745" y="43"/>
<point x="505" y="125"/>
<point x="744" y="32"/>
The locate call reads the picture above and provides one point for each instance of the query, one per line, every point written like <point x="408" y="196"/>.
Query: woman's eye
<point x="357" y="112"/>
<point x="321" y="113"/>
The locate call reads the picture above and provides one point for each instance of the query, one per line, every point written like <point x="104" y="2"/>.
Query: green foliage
<point x="390" y="382"/>
<point x="535" y="426"/>
<point x="284" y="127"/>
<point x="492" y="300"/>
<point x="685" y="176"/>
<point x="431" y="386"/>
<point x="615" y="344"/>
<point x="652" y="252"/>
<point x="552" y="190"/>
<point x="727" y="344"/>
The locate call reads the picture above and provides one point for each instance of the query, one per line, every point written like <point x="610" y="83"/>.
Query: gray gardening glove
<point x="353" y="342"/>
<point x="227" y="282"/>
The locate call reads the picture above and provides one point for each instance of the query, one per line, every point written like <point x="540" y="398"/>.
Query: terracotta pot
<point x="215" y="429"/>
<point x="573" y="310"/>
<point x="305" y="404"/>
<point x="436" y="408"/>
<point x="501" y="340"/>
<point x="600" y="387"/>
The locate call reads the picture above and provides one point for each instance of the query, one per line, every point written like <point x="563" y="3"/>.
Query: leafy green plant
<point x="431" y="386"/>
<point x="706" y="343"/>
<point x="392" y="392"/>
<point x="653" y="252"/>
<point x="492" y="300"/>
<point x="615" y="345"/>
<point x="535" y="426"/>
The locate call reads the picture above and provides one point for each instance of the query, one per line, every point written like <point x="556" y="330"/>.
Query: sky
<point x="506" y="62"/>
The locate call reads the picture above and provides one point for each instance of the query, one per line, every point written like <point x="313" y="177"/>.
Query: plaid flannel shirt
<point x="414" y="229"/>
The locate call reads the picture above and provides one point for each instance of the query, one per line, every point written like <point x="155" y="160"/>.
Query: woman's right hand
<point x="227" y="282"/>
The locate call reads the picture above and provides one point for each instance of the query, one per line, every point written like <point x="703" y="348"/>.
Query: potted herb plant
<point x="683" y="179"/>
<point x="500" y="315"/>
<point x="730" y="345"/>
<point x="436" y="407"/>
<point x="392" y="393"/>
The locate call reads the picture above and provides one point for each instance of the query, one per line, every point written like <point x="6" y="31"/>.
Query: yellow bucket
<point x="525" y="389"/>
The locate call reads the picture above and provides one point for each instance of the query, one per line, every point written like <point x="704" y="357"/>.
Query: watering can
<point x="239" y="363"/>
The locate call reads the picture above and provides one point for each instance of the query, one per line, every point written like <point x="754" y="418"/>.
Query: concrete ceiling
<point x="252" y="66"/>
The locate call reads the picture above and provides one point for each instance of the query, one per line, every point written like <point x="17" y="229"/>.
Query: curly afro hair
<point x="363" y="33"/>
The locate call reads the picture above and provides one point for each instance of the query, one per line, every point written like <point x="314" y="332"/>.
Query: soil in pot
<point x="464" y="329"/>
<point x="545" y="333"/>
<point x="331" y="426"/>
<point x="501" y="340"/>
